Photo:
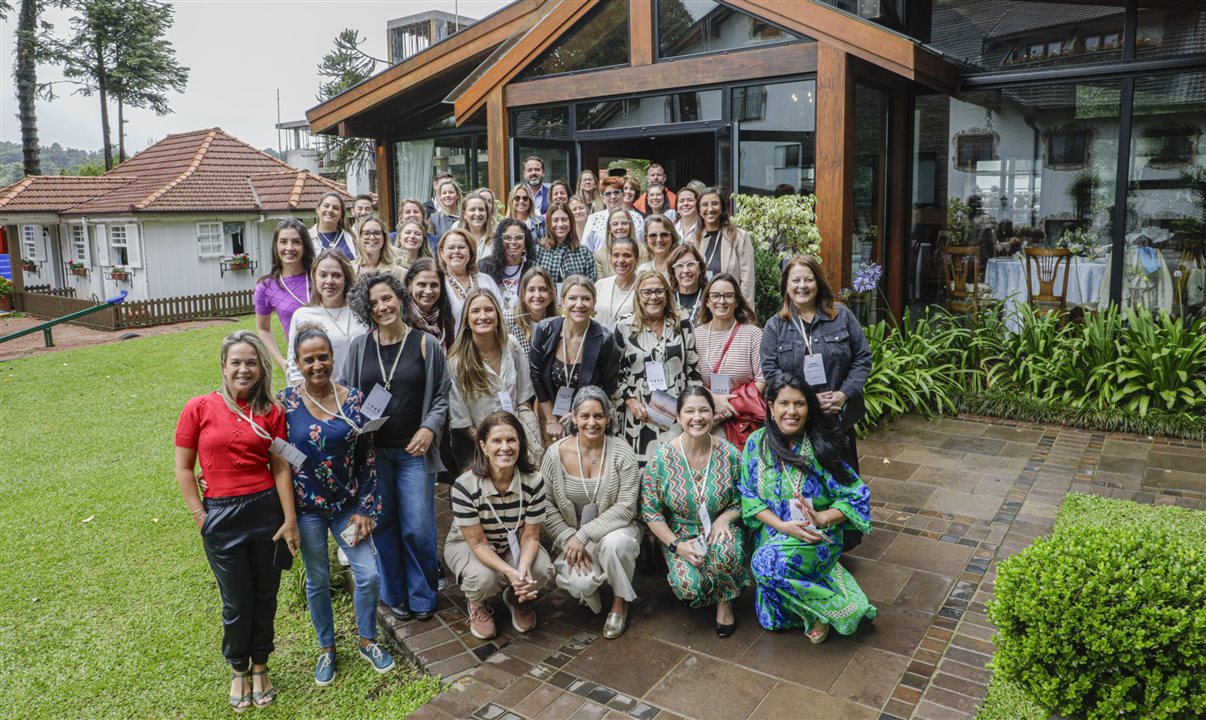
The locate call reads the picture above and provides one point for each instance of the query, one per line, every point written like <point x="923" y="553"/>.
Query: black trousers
<point x="237" y="535"/>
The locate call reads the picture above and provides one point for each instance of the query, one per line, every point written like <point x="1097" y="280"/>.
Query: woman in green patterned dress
<point x="798" y="494"/>
<point x="705" y="554"/>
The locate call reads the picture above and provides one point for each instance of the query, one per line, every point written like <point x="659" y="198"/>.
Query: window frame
<point x="79" y="243"/>
<point x="116" y="248"/>
<point x="202" y="244"/>
<point x="1068" y="162"/>
<point x="979" y="135"/>
<point x="657" y="33"/>
<point x="29" y="242"/>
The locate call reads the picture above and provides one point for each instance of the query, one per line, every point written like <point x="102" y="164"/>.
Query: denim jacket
<point x="844" y="352"/>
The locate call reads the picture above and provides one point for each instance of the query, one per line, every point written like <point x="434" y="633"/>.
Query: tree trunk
<point x="101" y="80"/>
<point x="26" y="77"/>
<point x="121" y="132"/>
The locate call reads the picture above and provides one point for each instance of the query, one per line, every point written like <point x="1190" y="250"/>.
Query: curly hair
<point x="495" y="264"/>
<point x="358" y="296"/>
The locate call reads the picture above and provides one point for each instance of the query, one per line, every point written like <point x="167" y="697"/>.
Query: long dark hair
<point x="444" y="320"/>
<point x="307" y="259"/>
<point x="828" y="446"/>
<point x="495" y="264"/>
<point x="481" y="464"/>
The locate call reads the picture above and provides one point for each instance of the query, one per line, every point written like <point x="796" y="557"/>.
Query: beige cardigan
<point x="617" y="497"/>
<point x="736" y="258"/>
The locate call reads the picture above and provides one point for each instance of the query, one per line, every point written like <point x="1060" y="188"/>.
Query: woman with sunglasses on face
<point x="490" y="373"/>
<point x="516" y="253"/>
<point x="588" y="190"/>
<point x="560" y="252"/>
<point x="728" y="341"/>
<point x="328" y="309"/>
<point x="686" y="279"/>
<point x="658" y="352"/>
<point x="537" y="301"/>
<point x="409" y="368"/>
<point x="599" y="223"/>
<point x="448" y="206"/>
<point x="412" y="243"/>
<point x="247" y="512"/>
<point x="798" y="495"/>
<point x="374" y="251"/>
<point x="476" y="222"/>
<point x="725" y="247"/>
<point x="493" y="547"/>
<point x="571" y="352"/>
<point x="592" y="484"/>
<point x="286" y="287"/>
<point x="429" y="309"/>
<point x="688" y="225"/>
<point x="330" y="232"/>
<point x="619" y="226"/>
<point x="336" y="493"/>
<point x="660" y="242"/>
<point x="688" y="480"/>
<point x="412" y="209"/>
<point x="519" y="207"/>
<point x="458" y="259"/>
<point x="616" y="292"/>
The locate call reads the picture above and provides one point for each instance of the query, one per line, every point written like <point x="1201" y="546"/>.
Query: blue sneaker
<point x="381" y="660"/>
<point x="324" y="671"/>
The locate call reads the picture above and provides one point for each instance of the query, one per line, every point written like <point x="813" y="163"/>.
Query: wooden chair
<point x="962" y="291"/>
<point x="1046" y="262"/>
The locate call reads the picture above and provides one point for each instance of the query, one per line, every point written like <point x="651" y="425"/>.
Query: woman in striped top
<point x="498" y="508"/>
<point x="729" y="345"/>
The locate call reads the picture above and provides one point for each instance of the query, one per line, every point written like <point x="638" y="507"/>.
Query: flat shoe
<point x="615" y="625"/>
<point x="818" y="639"/>
<point x="724" y="631"/>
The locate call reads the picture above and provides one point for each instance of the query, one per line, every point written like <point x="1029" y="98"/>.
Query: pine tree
<point x="344" y="67"/>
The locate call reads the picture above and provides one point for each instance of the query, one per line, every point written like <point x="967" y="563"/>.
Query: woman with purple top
<point x="287" y="286"/>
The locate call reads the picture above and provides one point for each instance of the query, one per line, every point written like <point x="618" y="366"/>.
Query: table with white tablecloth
<point x="1006" y="276"/>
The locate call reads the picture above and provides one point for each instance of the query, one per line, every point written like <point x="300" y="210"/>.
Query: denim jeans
<point x="406" y="531"/>
<point x="314" y="527"/>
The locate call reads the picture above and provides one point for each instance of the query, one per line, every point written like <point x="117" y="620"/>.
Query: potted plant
<point x="119" y="273"/>
<point x="1079" y="241"/>
<point x="240" y="261"/>
<point x="6" y="294"/>
<point x="29" y="266"/>
<point x="77" y="268"/>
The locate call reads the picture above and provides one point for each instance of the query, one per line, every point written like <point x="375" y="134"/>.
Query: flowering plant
<point x="1079" y="241"/>
<point x="868" y="276"/>
<point x="75" y="265"/>
<point x="240" y="257"/>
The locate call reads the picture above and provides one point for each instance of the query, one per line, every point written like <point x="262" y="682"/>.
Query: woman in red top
<point x="248" y="506"/>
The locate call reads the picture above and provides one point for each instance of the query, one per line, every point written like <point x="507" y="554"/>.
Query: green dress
<point x="671" y="493"/>
<point x="800" y="583"/>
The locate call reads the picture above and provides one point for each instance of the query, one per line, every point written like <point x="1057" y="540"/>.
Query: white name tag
<point x="513" y="544"/>
<point x="289" y="452"/>
<point x="374" y="405"/>
<point x="373" y="425"/>
<point x="705" y="521"/>
<point x="504" y="399"/>
<point x="814" y="370"/>
<point x="590" y="511"/>
<point x="565" y="402"/>
<point x="720" y="384"/>
<point x="655" y="375"/>
<point x="796" y="509"/>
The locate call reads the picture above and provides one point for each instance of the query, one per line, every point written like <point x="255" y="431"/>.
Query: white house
<point x="170" y="221"/>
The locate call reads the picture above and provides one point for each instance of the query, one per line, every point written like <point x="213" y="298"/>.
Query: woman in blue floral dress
<point x="792" y="462"/>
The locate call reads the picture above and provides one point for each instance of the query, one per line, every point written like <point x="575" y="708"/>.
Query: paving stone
<point x="790" y="701"/>
<point x="959" y="685"/>
<point x="589" y="711"/>
<point x="932" y="457"/>
<point x="924" y="591"/>
<point x="967" y="672"/>
<point x="1123" y="448"/>
<point x="516" y="692"/>
<point x="870" y="677"/>
<point x="538" y="700"/>
<point x="929" y="555"/>
<point x="880" y="581"/>
<point x="931" y="711"/>
<point x="1168" y="479"/>
<point x="896" y="492"/>
<point x="704" y="687"/>
<point x="982" y="507"/>
<point x="562" y="707"/>
<point x="951" y="478"/>
<point x="453" y="665"/>
<point x="898" y="630"/>
<point x="790" y="656"/>
<point x="875" y="544"/>
<point x="493" y="675"/>
<point x="952" y="700"/>
<point x="611" y="662"/>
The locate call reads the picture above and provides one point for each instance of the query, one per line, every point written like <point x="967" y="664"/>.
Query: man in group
<point x="431" y="204"/>
<point x="362" y="207"/>
<point x="655" y="174"/>
<point x="533" y="174"/>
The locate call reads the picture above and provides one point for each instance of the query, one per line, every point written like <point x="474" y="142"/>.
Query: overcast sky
<point x="239" y="52"/>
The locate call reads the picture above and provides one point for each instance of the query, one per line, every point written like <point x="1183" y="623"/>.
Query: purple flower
<point x="868" y="277"/>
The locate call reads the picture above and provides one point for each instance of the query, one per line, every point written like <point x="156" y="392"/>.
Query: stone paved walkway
<point x="950" y="499"/>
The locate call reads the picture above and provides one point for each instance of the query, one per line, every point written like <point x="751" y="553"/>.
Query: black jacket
<point x="600" y="359"/>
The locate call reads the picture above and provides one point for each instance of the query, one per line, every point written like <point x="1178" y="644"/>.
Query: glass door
<point x="870" y="203"/>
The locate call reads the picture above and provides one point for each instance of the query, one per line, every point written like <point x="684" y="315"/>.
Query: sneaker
<point x="375" y="654"/>
<point x="441" y="583"/>
<point x="523" y="617"/>
<point x="324" y="671"/>
<point x="481" y="621"/>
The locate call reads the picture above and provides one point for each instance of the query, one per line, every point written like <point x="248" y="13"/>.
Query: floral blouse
<point x="326" y="481"/>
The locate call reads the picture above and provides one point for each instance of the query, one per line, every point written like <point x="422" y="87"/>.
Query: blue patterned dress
<point x="799" y="583"/>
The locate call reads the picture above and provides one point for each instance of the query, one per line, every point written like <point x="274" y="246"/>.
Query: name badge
<point x="814" y="370"/>
<point x="705" y="521"/>
<point x="709" y="275"/>
<point x="374" y="405"/>
<point x="590" y="511"/>
<point x="513" y="544"/>
<point x="289" y="452"/>
<point x="796" y="508"/>
<point x="720" y="384"/>
<point x="655" y="375"/>
<point x="373" y="425"/>
<point x="565" y="402"/>
<point x="504" y="399"/>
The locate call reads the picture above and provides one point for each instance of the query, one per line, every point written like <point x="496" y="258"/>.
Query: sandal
<point x="813" y="636"/>
<point x="237" y="701"/>
<point x="266" y="698"/>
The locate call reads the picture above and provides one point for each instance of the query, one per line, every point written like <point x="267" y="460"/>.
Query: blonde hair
<point x="345" y="266"/>
<point x="669" y="313"/>
<point x="523" y="316"/>
<point x="404" y="260"/>
<point x="260" y="400"/>
<point x="465" y="362"/>
<point x="388" y="257"/>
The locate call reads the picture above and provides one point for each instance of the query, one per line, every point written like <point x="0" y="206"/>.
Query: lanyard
<point x="615" y="309"/>
<point x="338" y="408"/>
<point x="493" y="512"/>
<point x="576" y="364"/>
<point x="598" y="476"/>
<point x="703" y="472"/>
<point x="713" y="249"/>
<point x="803" y="332"/>
<point x="250" y="419"/>
<point x="381" y="365"/>
<point x="290" y="291"/>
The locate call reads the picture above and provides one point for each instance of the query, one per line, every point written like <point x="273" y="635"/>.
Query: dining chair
<point x="961" y="277"/>
<point x="1046" y="263"/>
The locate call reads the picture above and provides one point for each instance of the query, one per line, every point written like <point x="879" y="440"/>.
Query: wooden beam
<point x="755" y="65"/>
<point x="12" y="235"/>
<point x="385" y="183"/>
<point x="900" y="201"/>
<point x="498" y="134"/>
<point x="640" y="32"/>
<point x="835" y="160"/>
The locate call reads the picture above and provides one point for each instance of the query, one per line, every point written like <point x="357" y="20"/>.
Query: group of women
<point x="603" y="416"/>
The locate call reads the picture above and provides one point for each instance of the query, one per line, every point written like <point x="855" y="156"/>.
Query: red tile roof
<point x="201" y="171"/>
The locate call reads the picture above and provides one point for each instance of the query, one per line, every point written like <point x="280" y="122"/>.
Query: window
<point x="656" y="110"/>
<point x="689" y="27"/>
<point x="1068" y="148"/>
<point x="749" y="103"/>
<point x="1170" y="144"/>
<point x="599" y="41"/>
<point x="119" y="244"/>
<point x="79" y="243"/>
<point x="973" y="148"/>
<point x="29" y="242"/>
<point x="787" y="156"/>
<point x="233" y="232"/>
<point x="209" y="239"/>
<point x="550" y="123"/>
<point x="777" y="138"/>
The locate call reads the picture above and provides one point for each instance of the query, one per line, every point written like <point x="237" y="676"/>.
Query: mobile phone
<point x="282" y="559"/>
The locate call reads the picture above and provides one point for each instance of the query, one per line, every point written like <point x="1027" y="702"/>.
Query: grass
<point x="1007" y="700"/>
<point x="108" y="608"/>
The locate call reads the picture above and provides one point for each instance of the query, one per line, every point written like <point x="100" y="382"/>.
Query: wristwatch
<point x="674" y="546"/>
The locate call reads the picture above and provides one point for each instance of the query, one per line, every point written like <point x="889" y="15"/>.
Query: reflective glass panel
<point x="599" y="41"/>
<point x="777" y="137"/>
<point x="1170" y="27"/>
<point x="551" y="123"/>
<point x="418" y="161"/>
<point x="687" y="27"/>
<point x="648" y="111"/>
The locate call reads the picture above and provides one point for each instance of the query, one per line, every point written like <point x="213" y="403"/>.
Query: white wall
<point x="174" y="266"/>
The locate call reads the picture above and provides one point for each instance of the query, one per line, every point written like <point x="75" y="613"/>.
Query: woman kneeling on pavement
<point x="493" y="547"/>
<point x="593" y="484"/>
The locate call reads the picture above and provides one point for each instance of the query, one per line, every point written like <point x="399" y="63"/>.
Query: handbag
<point x="749" y="407"/>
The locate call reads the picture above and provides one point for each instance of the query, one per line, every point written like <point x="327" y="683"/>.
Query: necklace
<point x="338" y="413"/>
<point x="460" y="289"/>
<point x="381" y="365"/>
<point x="571" y="375"/>
<point x="346" y="330"/>
<point x="594" y="497"/>
<point x="329" y="239"/>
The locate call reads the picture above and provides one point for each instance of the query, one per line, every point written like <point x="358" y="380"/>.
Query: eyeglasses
<point x="371" y="233"/>
<point x="685" y="265"/>
<point x="653" y="293"/>
<point x="521" y="198"/>
<point x="659" y="235"/>
<point x="513" y="238"/>
<point x="718" y="296"/>
<point x="612" y="193"/>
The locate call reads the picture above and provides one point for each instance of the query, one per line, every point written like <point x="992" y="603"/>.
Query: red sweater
<point x="233" y="458"/>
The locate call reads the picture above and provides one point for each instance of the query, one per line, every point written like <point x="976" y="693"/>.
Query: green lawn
<point x="107" y="605"/>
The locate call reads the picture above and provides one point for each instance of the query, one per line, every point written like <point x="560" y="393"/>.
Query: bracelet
<point x="198" y="510"/>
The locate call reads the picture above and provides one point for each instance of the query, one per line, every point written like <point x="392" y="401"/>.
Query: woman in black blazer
<point x="571" y="352"/>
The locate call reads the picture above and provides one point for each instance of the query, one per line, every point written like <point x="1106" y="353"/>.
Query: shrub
<point x="1095" y="622"/>
<point x="767" y="298"/>
<point x="786" y="225"/>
